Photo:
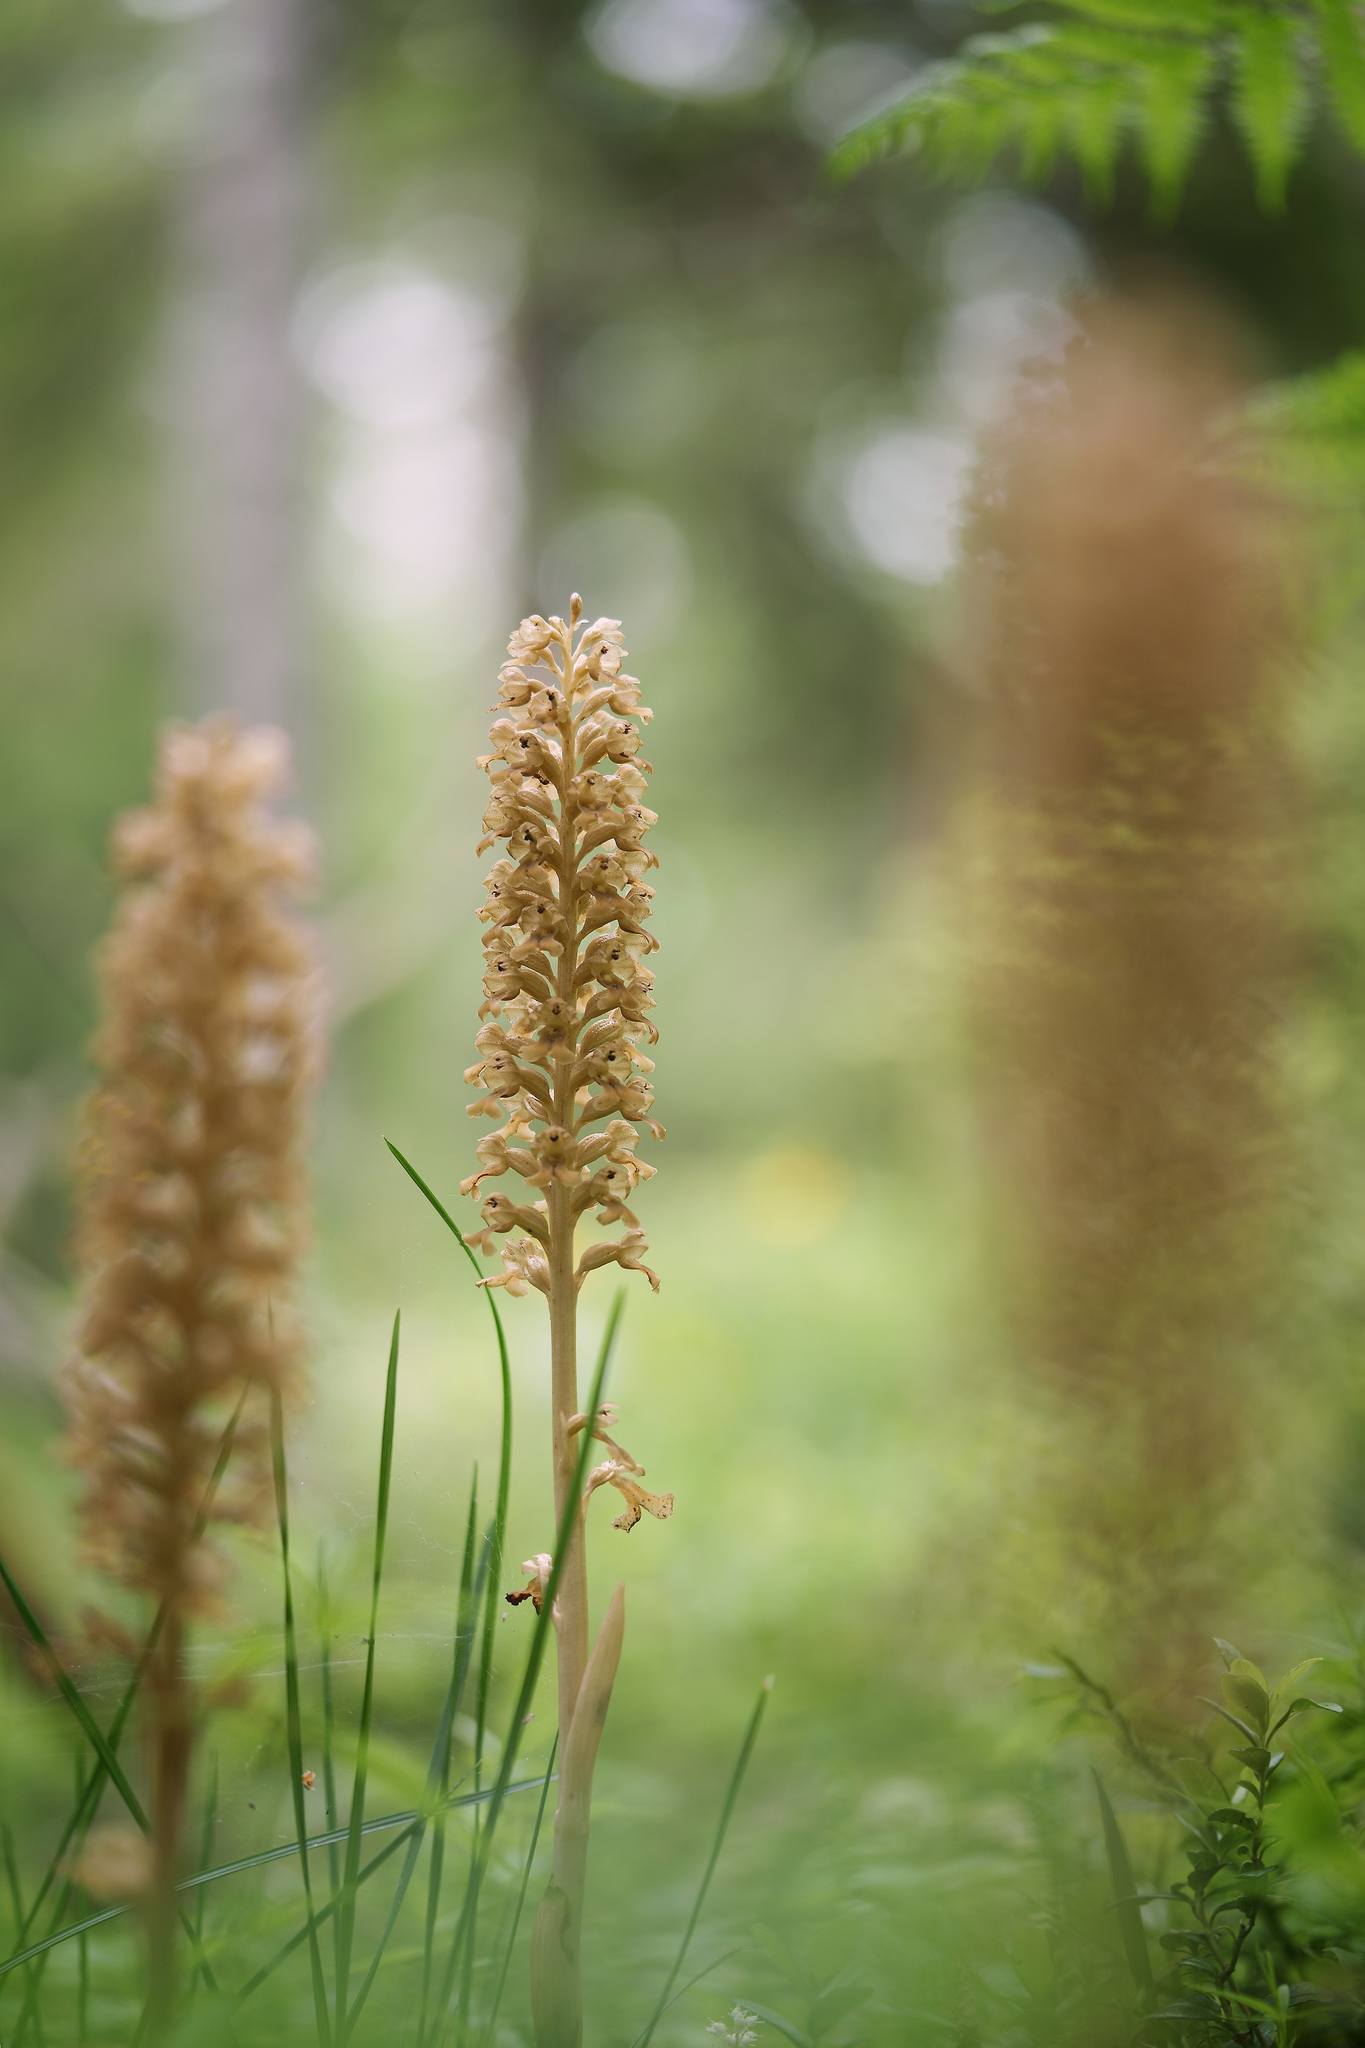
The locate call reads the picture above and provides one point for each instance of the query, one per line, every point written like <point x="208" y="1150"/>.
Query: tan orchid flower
<point x="192" y="1223"/>
<point x="564" y="1017"/>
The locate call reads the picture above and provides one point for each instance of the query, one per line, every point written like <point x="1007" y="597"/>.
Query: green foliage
<point x="1109" y="71"/>
<point x="1317" y="420"/>
<point x="337" y="2013"/>
<point x="1254" y="1902"/>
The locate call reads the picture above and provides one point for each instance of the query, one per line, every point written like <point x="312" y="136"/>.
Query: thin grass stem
<point x="535" y="1657"/>
<point x="746" y="1750"/>
<point x="329" y="1770"/>
<point x="294" y="1717"/>
<point x="88" y="1796"/>
<point x="518" y="1908"/>
<point x="205" y="1852"/>
<point x="436" y="1866"/>
<point x="350" y="1871"/>
<point x="438" y="1765"/>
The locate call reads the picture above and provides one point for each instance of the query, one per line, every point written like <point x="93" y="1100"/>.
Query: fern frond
<point x="1160" y="16"/>
<point x="1096" y="117"/>
<point x="1171" y="111"/>
<point x="1040" y="90"/>
<point x="1270" y="100"/>
<point x="1104" y="70"/>
<point x="1341" y="36"/>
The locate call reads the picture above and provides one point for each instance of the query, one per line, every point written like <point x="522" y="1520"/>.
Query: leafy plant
<point x="1239" y="1939"/>
<point x="1104" y="72"/>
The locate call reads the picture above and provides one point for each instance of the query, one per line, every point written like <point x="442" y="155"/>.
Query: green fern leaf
<point x="1171" y="108"/>
<point x="1095" y="125"/>
<point x="950" y="112"/>
<point x="1040" y="135"/>
<point x="1323" y="405"/>
<point x="1341" y="37"/>
<point x="1269" y="99"/>
<point x="1161" y="17"/>
<point x="1077" y="85"/>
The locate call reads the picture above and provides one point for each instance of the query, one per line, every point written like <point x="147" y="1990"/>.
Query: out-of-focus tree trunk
<point x="240" y="398"/>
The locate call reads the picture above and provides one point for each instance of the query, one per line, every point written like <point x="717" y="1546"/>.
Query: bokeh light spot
<point x="701" y="48"/>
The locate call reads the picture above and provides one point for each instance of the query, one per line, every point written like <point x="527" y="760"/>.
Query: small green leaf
<point x="1131" y="1929"/>
<point x="1096" y="113"/>
<point x="1245" y="1690"/>
<point x="1269" y="98"/>
<point x="1343" y="63"/>
<point x="1170" y="112"/>
<point x="1295" y="1673"/>
<point x="1236" y="1721"/>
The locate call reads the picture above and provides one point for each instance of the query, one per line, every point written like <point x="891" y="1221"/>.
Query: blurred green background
<point x="336" y="338"/>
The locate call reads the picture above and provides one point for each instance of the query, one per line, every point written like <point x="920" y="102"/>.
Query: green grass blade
<point x="492" y="1598"/>
<point x="494" y="1581"/>
<point x="788" y="2029"/>
<point x="708" y="1969"/>
<point x="510" y="1944"/>
<point x="413" y="1822"/>
<point x="436" y="1867"/>
<point x="535" y="1657"/>
<point x="406" y="1820"/>
<point x="351" y="1868"/>
<point x="315" y="1920"/>
<point x="453" y="1227"/>
<point x="16" y="1898"/>
<point x="1129" y="1912"/>
<point x="51" y="1941"/>
<point x="82" y="1988"/>
<point x="88" y="1798"/>
<point x="471" y="1928"/>
<point x="12" y="1878"/>
<point x="504" y="1447"/>
<point x="99" y="1743"/>
<point x="462" y="2025"/>
<point x="438" y="1765"/>
<point x="205" y="1852"/>
<point x="91" y="1730"/>
<point x="329" y="1767"/>
<point x="294" y="1716"/>
<point x="746" y="1750"/>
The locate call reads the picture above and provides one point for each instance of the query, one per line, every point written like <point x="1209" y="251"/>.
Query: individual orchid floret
<point x="603" y="1421"/>
<point x="639" y="1500"/>
<point x="539" y="1567"/>
<point x="620" y="1470"/>
<point x="524" y="1265"/>
<point x="621" y="1251"/>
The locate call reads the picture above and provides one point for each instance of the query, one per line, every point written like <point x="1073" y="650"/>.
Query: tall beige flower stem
<point x="572" y="1595"/>
<point x="192" y="1217"/>
<point x="1137" y="859"/>
<point x="567" y="996"/>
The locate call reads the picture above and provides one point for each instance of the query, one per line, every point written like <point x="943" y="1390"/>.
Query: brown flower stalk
<point x="1131" y="603"/>
<point x="191" y="1212"/>
<point x="567" y="1000"/>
